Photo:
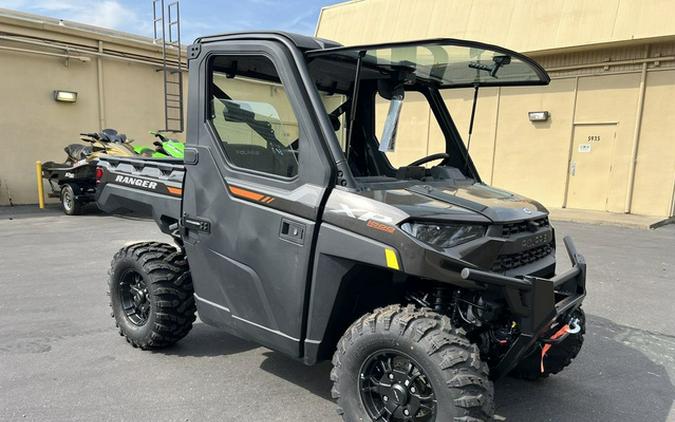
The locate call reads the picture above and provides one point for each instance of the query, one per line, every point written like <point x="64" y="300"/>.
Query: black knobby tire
<point x="69" y="202"/>
<point x="558" y="357"/>
<point x="450" y="364"/>
<point x="167" y="309"/>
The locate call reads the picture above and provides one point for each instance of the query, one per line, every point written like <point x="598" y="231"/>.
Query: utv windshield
<point x="388" y="110"/>
<point x="447" y="63"/>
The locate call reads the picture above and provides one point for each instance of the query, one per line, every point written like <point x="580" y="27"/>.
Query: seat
<point x="253" y="157"/>
<point x="259" y="158"/>
<point x="50" y="165"/>
<point x="77" y="152"/>
<point x="111" y="135"/>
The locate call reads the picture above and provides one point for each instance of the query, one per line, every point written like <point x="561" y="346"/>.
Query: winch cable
<point x="547" y="346"/>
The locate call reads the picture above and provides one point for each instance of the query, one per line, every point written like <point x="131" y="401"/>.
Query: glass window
<point x="252" y="115"/>
<point x="446" y="63"/>
<point x="418" y="133"/>
<point x="336" y="115"/>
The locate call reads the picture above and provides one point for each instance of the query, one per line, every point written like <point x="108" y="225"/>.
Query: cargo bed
<point x="144" y="186"/>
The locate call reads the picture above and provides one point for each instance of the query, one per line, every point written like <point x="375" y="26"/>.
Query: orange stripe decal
<point x="174" y="191"/>
<point x="247" y="194"/>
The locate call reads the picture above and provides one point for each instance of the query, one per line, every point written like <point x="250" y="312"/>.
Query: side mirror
<point x="388" y="139"/>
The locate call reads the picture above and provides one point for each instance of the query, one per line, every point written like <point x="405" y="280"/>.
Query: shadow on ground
<point x="314" y="379"/>
<point x="90" y="210"/>
<point x="616" y="377"/>
<point x="204" y="340"/>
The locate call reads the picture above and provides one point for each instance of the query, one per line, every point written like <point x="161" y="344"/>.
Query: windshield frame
<point x="351" y="53"/>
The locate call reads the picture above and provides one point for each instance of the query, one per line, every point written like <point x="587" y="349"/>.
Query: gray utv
<point x="298" y="224"/>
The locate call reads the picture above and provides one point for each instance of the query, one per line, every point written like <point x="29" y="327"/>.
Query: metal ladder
<point x="173" y="71"/>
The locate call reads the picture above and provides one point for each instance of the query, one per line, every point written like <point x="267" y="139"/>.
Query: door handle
<point x="194" y="223"/>
<point x="292" y="231"/>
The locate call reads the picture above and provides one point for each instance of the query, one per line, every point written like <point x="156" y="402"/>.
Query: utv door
<point x="253" y="191"/>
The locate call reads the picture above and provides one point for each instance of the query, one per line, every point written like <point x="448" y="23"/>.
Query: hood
<point x="468" y="202"/>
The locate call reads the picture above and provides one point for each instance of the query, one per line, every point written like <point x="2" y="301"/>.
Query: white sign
<point x="585" y="148"/>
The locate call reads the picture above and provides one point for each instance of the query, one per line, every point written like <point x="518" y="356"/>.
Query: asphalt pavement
<point x="62" y="359"/>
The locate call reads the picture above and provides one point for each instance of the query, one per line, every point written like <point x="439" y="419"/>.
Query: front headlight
<point x="444" y="235"/>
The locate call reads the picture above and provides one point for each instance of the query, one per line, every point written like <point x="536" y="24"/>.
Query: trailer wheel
<point x="557" y="358"/>
<point x="151" y="294"/>
<point x="403" y="364"/>
<point x="71" y="205"/>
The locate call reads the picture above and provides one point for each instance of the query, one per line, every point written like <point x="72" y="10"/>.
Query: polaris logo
<point x="537" y="240"/>
<point x="132" y="181"/>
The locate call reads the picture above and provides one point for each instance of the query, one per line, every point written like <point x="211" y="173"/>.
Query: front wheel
<point x="408" y="364"/>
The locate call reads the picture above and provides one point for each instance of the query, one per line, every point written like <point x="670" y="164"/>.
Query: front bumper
<point x="536" y="302"/>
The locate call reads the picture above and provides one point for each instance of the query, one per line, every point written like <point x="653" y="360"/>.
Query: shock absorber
<point x="442" y="300"/>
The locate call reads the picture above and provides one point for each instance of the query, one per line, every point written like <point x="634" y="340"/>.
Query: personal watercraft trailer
<point x="74" y="180"/>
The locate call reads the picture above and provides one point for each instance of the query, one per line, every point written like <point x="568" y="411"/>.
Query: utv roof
<point x="302" y="42"/>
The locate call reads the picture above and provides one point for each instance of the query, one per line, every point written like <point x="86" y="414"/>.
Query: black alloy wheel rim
<point x="394" y="388"/>
<point x="134" y="298"/>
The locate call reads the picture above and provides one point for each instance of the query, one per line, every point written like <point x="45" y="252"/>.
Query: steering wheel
<point x="428" y="158"/>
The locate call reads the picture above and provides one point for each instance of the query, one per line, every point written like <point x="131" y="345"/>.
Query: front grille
<point x="511" y="261"/>
<point x="524" y="226"/>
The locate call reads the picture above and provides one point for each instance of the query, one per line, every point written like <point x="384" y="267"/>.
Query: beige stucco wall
<point x="524" y="25"/>
<point x="35" y="127"/>
<point x="595" y="59"/>
<point x="655" y="172"/>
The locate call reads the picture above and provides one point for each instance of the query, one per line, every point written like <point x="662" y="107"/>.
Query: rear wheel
<point x="408" y="364"/>
<point x="71" y="205"/>
<point x="151" y="294"/>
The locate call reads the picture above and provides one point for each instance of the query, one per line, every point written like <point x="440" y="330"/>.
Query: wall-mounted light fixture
<point x="65" y="96"/>
<point x="538" y="116"/>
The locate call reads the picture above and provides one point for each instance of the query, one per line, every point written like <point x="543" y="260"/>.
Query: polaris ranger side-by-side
<point x="310" y="215"/>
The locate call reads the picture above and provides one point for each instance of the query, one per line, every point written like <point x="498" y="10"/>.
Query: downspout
<point x="101" y="101"/>
<point x="636" y="135"/>
<point x="570" y="151"/>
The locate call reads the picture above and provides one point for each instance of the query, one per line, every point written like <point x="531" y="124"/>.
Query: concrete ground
<point x="61" y="358"/>
<point x="612" y="218"/>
